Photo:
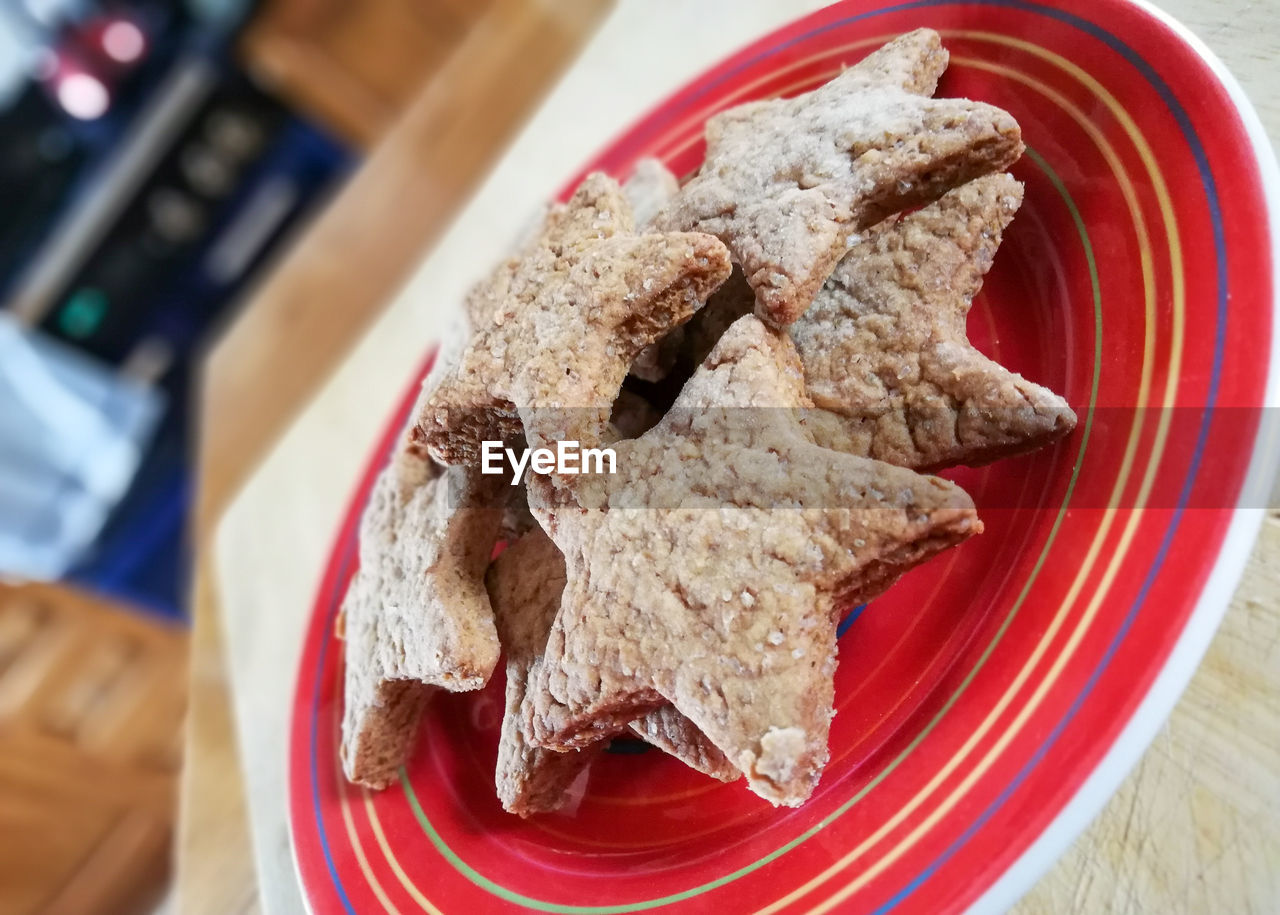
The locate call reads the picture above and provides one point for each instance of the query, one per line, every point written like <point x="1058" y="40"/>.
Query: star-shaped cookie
<point x="885" y="352"/>
<point x="566" y="319"/>
<point x="787" y="182"/>
<point x="708" y="571"/>
<point x="648" y="189"/>
<point x="675" y="735"/>
<point x="416" y="617"/>
<point x="525" y="585"/>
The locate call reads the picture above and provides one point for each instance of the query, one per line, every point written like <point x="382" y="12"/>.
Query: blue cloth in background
<point x="142" y="556"/>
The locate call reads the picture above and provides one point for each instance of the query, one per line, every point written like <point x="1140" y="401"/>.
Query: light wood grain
<point x="354" y="66"/>
<point x="214" y="871"/>
<point x="91" y="703"/>
<point x="1174" y="834"/>
<point x="1196" y="826"/>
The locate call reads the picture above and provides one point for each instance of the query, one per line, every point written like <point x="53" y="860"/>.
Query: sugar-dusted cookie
<point x="787" y="182"/>
<point x="525" y="584"/>
<point x="913" y="62"/>
<point x="416" y="616"/>
<point x="708" y="571"/>
<point x="885" y="352"/>
<point x="568" y="316"/>
<point x="648" y="189"/>
<point x="674" y="734"/>
<point x="732" y="301"/>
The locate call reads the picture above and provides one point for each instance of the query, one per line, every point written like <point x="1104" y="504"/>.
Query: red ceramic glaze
<point x="980" y="693"/>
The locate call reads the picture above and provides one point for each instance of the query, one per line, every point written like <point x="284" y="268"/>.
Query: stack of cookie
<point x="810" y="324"/>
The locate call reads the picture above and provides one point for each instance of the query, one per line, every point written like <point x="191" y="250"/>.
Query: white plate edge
<point x="1181" y="665"/>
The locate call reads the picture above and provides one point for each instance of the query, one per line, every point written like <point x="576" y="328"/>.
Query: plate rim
<point x="1233" y="556"/>
<point x="1227" y="568"/>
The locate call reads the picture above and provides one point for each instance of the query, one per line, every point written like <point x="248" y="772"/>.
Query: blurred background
<point x="160" y="161"/>
<point x="145" y="175"/>
<point x="203" y="204"/>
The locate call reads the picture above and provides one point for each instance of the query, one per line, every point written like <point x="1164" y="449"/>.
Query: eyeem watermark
<point x="567" y="458"/>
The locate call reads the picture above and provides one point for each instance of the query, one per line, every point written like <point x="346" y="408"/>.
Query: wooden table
<point x="1196" y="827"/>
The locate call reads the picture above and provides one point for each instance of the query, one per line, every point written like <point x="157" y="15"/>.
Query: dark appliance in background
<point x="163" y="221"/>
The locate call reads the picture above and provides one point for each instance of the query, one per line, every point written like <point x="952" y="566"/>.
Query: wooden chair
<point x="92" y="699"/>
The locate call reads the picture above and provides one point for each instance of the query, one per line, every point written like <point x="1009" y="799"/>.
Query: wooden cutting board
<point x="1196" y="827"/>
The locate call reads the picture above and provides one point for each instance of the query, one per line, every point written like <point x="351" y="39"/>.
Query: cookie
<point x="913" y="62"/>
<point x="787" y="182"/>
<point x="733" y="300"/>
<point x="693" y="341"/>
<point x="525" y="584"/>
<point x="708" y="572"/>
<point x="416" y="617"/>
<point x="517" y="520"/>
<point x="648" y="189"/>
<point x="886" y="356"/>
<point x="569" y="316"/>
<point x="633" y="415"/>
<point x="675" y="735"/>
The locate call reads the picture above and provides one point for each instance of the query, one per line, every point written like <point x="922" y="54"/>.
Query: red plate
<point x="993" y="699"/>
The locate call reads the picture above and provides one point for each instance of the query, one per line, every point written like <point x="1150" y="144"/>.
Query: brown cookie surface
<point x="707" y="573"/>
<point x="648" y="190"/>
<point x="675" y="735"/>
<point x="885" y="352"/>
<point x="567" y="317"/>
<point x="416" y="617"/>
<point x="525" y="584"/>
<point x="786" y="182"/>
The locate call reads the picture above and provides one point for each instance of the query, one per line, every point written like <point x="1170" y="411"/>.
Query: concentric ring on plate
<point x="978" y="696"/>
